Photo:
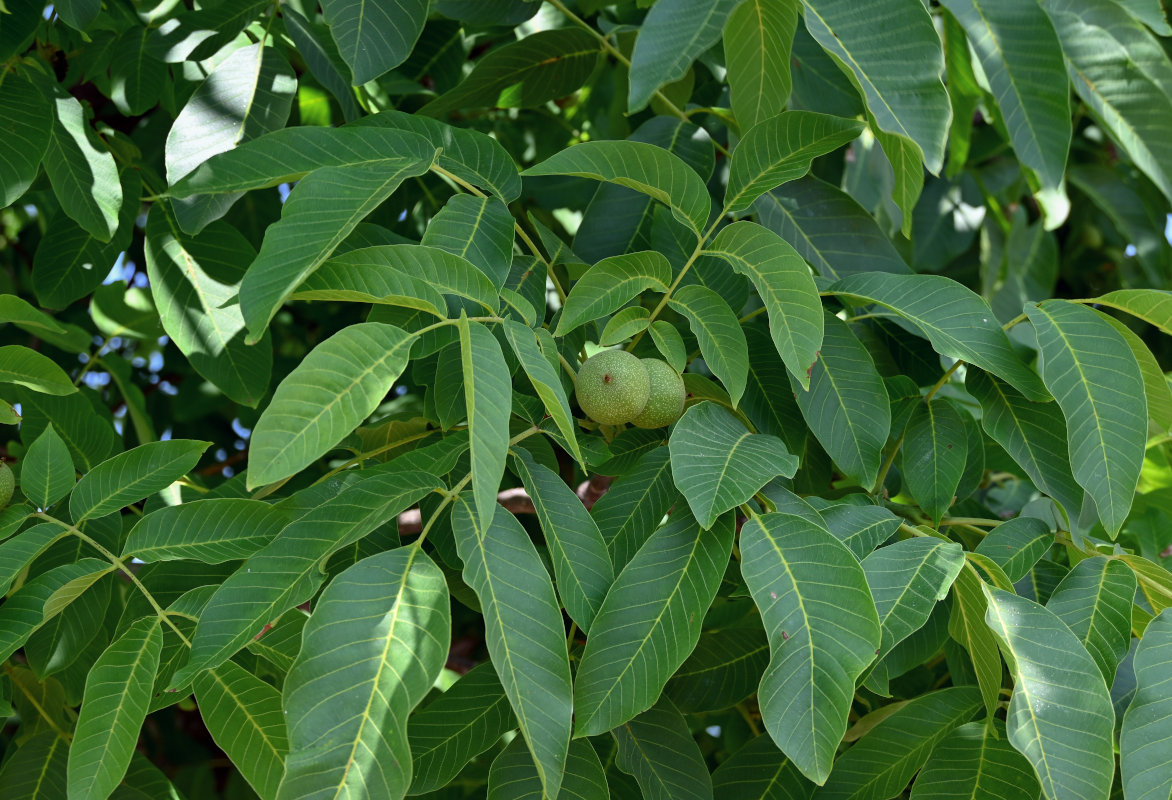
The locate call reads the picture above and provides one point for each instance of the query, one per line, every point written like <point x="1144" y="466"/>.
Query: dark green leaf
<point x="374" y="36"/>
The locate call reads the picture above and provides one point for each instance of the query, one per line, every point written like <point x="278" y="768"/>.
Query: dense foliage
<point x="293" y="302"/>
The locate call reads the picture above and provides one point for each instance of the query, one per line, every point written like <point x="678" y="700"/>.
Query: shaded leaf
<point x="213" y="531"/>
<point x="935" y="449"/>
<point x="658" y="749"/>
<point x="1094" y="600"/>
<point x="47" y="474"/>
<point x="129" y="477"/>
<point x="488" y="394"/>
<point x="722" y="341"/>
<point x="1144" y="745"/>
<point x="374" y="36"/>
<point x="758" y="37"/>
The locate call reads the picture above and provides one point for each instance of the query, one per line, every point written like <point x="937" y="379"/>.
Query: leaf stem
<point x="118" y="564"/>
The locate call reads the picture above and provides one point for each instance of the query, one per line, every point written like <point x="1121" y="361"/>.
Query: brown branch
<point x="515" y="501"/>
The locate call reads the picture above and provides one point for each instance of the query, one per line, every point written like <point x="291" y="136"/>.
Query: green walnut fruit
<point x="7" y="484"/>
<point x="613" y="387"/>
<point x="665" y="403"/>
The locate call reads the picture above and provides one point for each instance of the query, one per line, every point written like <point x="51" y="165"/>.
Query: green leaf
<point x="474" y="156"/>
<point x="317" y="47"/>
<point x="374" y="645"/>
<point x="783" y="282"/>
<point x="884" y="760"/>
<point x="1151" y="305"/>
<point x="82" y="172"/>
<point x="1156" y="389"/>
<point x="289" y="570"/>
<point x="252" y="88"/>
<point x="610" y="284"/>
<point x="717" y="464"/>
<point x="966" y="625"/>
<point x="626" y="323"/>
<point x="443" y="271"/>
<point x="1034" y="435"/>
<point x="243" y="715"/>
<point x="28" y="120"/>
<point x="669" y="343"/>
<point x="935" y="449"/>
<point x="781" y="149"/>
<point x="1144" y="745"/>
<point x="846" y="407"/>
<point x="358" y="280"/>
<point x="723" y="670"/>
<point x="1022" y="61"/>
<point x="117" y="691"/>
<point x="1067" y="737"/>
<point x="634" y="505"/>
<point x="905" y="95"/>
<point x="320" y="212"/>
<point x="27" y="609"/>
<point x="457" y="726"/>
<point x="194" y="282"/>
<point x="1094" y="600"/>
<point x="36" y="769"/>
<point x="374" y="36"/>
<point x="658" y="749"/>
<point x="1095" y="378"/>
<point x="26" y="367"/>
<point x="543" y="66"/>
<point x="908" y="169"/>
<point x="976" y="762"/>
<point x="828" y="228"/>
<point x="581" y="561"/>
<point x="649" y="622"/>
<point x="957" y="322"/>
<point x="1122" y="73"/>
<point x="758" y="37"/>
<point x="860" y="528"/>
<point x="759" y="771"/>
<point x="716" y="328"/>
<point x="47" y="474"/>
<point x="665" y="48"/>
<point x="643" y="167"/>
<point x="1016" y="545"/>
<point x="211" y="531"/>
<point x="479" y="229"/>
<point x="199" y="35"/>
<point x="823" y="631"/>
<point x="523" y="630"/>
<point x="546" y="382"/>
<point x="514" y="777"/>
<point x="488" y="396"/>
<point x="137" y="79"/>
<point x="907" y="580"/>
<point x="129" y="477"/>
<point x="325" y="397"/>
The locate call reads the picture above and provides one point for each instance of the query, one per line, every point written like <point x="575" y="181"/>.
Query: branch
<point x="515" y="501"/>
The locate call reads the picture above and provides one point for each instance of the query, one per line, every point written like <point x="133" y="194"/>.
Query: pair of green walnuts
<point x="615" y="387"/>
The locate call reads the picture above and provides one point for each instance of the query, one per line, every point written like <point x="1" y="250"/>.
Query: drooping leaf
<point x="248" y="94"/>
<point x="935" y="449"/>
<point x="524" y="631"/>
<point x="479" y="229"/>
<point x="243" y="716"/>
<point x="374" y="36"/>
<point x="976" y="762"/>
<point x="823" y="632"/>
<point x="37" y="768"/>
<point x="513" y="775"/>
<point x="781" y="149"/>
<point x="665" y="49"/>
<point x="540" y="67"/>
<point x="1060" y="716"/>
<point x="758" y="37"/>
<point x="1144" y="745"/>
<point x="325" y="397"/>
<point x="380" y="633"/>
<point x="643" y="167"/>
<point x="112" y="712"/>
<point x="26" y="367"/>
<point x="846" y="407"/>
<point x="28" y="119"/>
<point x="1016" y="545"/>
<point x="438" y="269"/>
<point x="1094" y="600"/>
<point x="658" y="749"/>
<point x="958" y="323"/>
<point x="487" y="394"/>
<point x="717" y="464"/>
<point x="722" y="341"/>
<point x="759" y="771"/>
<point x="1022" y="60"/>
<point x="906" y="96"/>
<point x="129" y="477"/>
<point x="723" y="670"/>
<point x="317" y="47"/>
<point x="1094" y="377"/>
<point x="860" y="528"/>
<point x="457" y="726"/>
<point x="882" y="762"/>
<point x="544" y="378"/>
<point x="649" y="622"/>
<point x="635" y="504"/>
<point x="784" y="284"/>
<point x="82" y="171"/>
<point x="581" y="561"/>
